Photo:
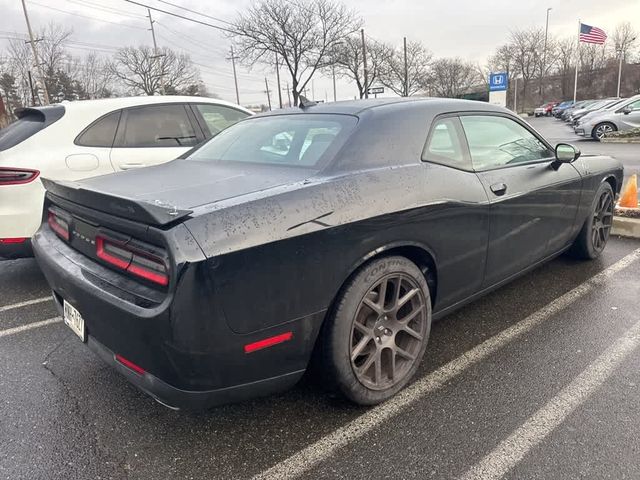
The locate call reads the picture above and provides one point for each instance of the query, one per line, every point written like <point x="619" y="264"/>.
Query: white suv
<point x="76" y="140"/>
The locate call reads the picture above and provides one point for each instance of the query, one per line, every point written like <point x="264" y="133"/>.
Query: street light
<point x="620" y="52"/>
<point x="544" y="53"/>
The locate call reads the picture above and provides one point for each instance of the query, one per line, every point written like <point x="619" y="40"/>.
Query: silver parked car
<point x="625" y="117"/>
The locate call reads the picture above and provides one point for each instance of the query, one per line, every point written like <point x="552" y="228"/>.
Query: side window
<point x="445" y="144"/>
<point x="498" y="141"/>
<point x="635" y="105"/>
<point x="100" y="133"/>
<point x="157" y="126"/>
<point x="217" y="117"/>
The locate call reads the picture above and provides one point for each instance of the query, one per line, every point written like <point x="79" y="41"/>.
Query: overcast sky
<point x="470" y="29"/>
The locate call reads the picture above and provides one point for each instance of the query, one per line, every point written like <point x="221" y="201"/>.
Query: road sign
<point x="376" y="90"/>
<point x="498" y="82"/>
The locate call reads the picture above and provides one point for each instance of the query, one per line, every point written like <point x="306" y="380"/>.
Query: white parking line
<point x="25" y="303"/>
<point x="510" y="451"/>
<point x="29" y="326"/>
<point x="322" y="449"/>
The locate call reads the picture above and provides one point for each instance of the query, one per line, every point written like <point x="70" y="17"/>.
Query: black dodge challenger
<point x="340" y="230"/>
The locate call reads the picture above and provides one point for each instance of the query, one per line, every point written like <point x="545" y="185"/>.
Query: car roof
<point x="357" y="107"/>
<point x="109" y="104"/>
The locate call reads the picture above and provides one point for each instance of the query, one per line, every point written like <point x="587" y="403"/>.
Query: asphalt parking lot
<point x="539" y="379"/>
<point x="557" y="131"/>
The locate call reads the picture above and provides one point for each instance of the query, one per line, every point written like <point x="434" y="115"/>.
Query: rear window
<point x="301" y="140"/>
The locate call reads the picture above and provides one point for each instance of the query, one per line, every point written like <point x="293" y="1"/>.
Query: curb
<point x="626" y="227"/>
<point x="620" y="140"/>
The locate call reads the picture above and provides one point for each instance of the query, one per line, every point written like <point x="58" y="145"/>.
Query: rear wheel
<point x="602" y="129"/>
<point x="379" y="330"/>
<point x="596" y="229"/>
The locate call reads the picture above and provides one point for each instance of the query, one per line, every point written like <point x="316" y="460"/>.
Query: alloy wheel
<point x="388" y="331"/>
<point x="603" y="129"/>
<point x="602" y="220"/>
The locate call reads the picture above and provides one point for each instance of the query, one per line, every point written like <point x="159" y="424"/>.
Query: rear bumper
<point x="10" y="251"/>
<point x="191" y="358"/>
<point x="176" y="398"/>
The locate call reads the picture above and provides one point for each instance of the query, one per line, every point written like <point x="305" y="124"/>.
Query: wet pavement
<point x="538" y="379"/>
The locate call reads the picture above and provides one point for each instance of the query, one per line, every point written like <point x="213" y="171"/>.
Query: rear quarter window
<point x="100" y="133"/>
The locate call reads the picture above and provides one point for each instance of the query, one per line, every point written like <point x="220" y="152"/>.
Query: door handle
<point x="499" y="189"/>
<point x="129" y="166"/>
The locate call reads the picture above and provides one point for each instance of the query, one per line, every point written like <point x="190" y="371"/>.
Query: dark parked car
<point x="341" y="228"/>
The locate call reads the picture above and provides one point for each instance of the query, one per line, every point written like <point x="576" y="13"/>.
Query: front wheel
<point x="379" y="330"/>
<point x="596" y="229"/>
<point x="602" y="129"/>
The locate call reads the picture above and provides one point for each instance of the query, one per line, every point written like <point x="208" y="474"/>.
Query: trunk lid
<point x="166" y="193"/>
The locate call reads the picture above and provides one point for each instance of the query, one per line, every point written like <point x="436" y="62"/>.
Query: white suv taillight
<point x="17" y="176"/>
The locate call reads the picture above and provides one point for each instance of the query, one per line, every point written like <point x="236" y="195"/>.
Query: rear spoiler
<point x="157" y="214"/>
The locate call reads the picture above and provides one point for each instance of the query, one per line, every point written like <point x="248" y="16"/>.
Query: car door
<point x="153" y="134"/>
<point x="459" y="231"/>
<point x="533" y="202"/>
<point x="215" y="118"/>
<point x="632" y="118"/>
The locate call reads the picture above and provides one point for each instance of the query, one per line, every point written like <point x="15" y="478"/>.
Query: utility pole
<point x="313" y="91"/>
<point x="289" y="94"/>
<point x="364" y="60"/>
<point x="406" y="70"/>
<point x="333" y="72"/>
<point x="33" y="93"/>
<point x="156" y="55"/>
<point x="544" y="55"/>
<point x="32" y="41"/>
<point x="278" y="78"/>
<point x="235" y="77"/>
<point x="515" y="95"/>
<point x="266" y="84"/>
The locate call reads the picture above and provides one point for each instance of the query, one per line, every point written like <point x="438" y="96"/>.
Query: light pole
<point x="620" y="52"/>
<point x="544" y="53"/>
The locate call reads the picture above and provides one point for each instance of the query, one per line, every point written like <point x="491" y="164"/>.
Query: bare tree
<point x="452" y="77"/>
<point x="349" y="62"/>
<point x="527" y="47"/>
<point x="303" y="33"/>
<point x="392" y="74"/>
<point x="144" y="72"/>
<point x="504" y="60"/>
<point x="94" y="76"/>
<point x="565" y="64"/>
<point x="624" y="38"/>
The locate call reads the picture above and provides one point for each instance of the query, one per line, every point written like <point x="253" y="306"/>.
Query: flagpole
<point x="575" y="82"/>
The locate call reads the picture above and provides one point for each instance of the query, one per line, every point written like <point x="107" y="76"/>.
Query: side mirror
<point x="627" y="110"/>
<point x="565" y="153"/>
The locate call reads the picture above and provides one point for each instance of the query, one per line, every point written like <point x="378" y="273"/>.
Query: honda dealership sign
<point x="498" y="84"/>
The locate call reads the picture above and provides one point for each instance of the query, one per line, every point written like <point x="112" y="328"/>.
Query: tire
<point x="599" y="130"/>
<point x="364" y="330"/>
<point x="594" y="234"/>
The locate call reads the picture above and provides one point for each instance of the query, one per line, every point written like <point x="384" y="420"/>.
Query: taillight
<point x="13" y="240"/>
<point x="17" y="176"/>
<point x="58" y="225"/>
<point x="133" y="260"/>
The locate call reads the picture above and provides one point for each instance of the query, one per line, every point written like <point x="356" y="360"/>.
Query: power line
<point x="114" y="11"/>
<point x="196" y="12"/>
<point x="196" y="43"/>
<point x="84" y="16"/>
<point x="181" y="16"/>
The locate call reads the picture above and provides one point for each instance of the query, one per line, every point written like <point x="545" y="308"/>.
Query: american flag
<point x="589" y="34"/>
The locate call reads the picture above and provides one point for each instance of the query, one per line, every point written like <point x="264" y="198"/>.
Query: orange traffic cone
<point x="629" y="197"/>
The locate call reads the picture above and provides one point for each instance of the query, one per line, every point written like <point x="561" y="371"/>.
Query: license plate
<point x="74" y="320"/>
